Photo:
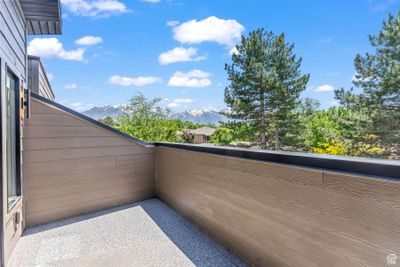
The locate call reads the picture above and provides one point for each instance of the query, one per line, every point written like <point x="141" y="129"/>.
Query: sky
<point x="175" y="50"/>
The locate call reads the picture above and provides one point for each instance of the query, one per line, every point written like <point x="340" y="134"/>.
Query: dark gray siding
<point x="13" y="38"/>
<point x="37" y="78"/>
<point x="13" y="58"/>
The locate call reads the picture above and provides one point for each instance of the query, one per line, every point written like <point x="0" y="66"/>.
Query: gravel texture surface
<point x="145" y="233"/>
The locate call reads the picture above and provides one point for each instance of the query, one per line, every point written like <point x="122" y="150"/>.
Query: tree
<point x="187" y="136"/>
<point x="222" y="136"/>
<point x="265" y="82"/>
<point x="107" y="121"/>
<point x="378" y="76"/>
<point x="147" y="121"/>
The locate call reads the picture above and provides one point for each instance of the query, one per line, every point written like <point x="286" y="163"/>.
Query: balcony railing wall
<point x="282" y="215"/>
<point x="272" y="208"/>
<point x="73" y="166"/>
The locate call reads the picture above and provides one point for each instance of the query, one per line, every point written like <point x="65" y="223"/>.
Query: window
<point x="12" y="129"/>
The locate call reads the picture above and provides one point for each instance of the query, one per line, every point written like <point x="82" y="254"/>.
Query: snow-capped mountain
<point x="201" y="116"/>
<point x="104" y="111"/>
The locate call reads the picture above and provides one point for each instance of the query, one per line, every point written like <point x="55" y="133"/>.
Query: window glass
<point x="11" y="137"/>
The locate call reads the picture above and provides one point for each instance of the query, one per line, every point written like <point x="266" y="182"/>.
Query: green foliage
<point x="378" y="76"/>
<point x="340" y="131"/>
<point x="265" y="82"/>
<point x="146" y="120"/>
<point x="108" y="121"/>
<point x="240" y="131"/>
<point x="222" y="136"/>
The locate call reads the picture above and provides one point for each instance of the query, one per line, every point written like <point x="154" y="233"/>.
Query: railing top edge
<point x="354" y="165"/>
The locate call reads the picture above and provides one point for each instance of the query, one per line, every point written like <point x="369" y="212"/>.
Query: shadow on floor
<point x="197" y="246"/>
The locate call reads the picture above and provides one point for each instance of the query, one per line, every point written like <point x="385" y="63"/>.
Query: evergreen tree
<point x="265" y="82"/>
<point x="378" y="76"/>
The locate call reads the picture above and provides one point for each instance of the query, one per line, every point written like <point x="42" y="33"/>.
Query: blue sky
<point x="176" y="49"/>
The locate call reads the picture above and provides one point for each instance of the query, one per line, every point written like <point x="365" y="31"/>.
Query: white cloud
<point x="194" y="78"/>
<point x="152" y="1"/>
<point x="78" y="106"/>
<point x="172" y="23"/>
<point x="179" y="102"/>
<point x="95" y="8"/>
<point x="133" y="81"/>
<point x="71" y="86"/>
<point x="51" y="47"/>
<point x="183" y="100"/>
<point x="89" y="40"/>
<point x="180" y="54"/>
<point x="173" y="105"/>
<point x="324" y="88"/>
<point x="212" y="29"/>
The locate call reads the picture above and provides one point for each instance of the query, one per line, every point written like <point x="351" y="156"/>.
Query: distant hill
<point x="104" y="111"/>
<point x="201" y="116"/>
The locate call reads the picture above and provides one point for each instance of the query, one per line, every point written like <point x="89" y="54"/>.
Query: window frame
<point x="8" y="71"/>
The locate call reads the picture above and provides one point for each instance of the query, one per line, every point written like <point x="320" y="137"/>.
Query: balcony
<point x="145" y="233"/>
<point x="267" y="208"/>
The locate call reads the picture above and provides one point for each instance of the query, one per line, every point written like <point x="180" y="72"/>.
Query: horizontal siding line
<point x="84" y="158"/>
<point x="55" y="112"/>
<point x="80" y="201"/>
<point x="81" y="136"/>
<point x="77" y="136"/>
<point x="11" y="31"/>
<point x="79" y="124"/>
<point x="21" y="26"/>
<point x="38" y="182"/>
<point x="62" y="126"/>
<point x="82" y="147"/>
<point x="16" y="53"/>
<point x="102" y="185"/>
<point x="21" y="16"/>
<point x="111" y="203"/>
<point x="67" y="161"/>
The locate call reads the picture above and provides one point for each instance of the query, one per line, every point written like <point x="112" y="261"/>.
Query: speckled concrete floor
<point x="146" y="233"/>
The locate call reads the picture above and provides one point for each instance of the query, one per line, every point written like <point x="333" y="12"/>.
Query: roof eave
<point x="43" y="17"/>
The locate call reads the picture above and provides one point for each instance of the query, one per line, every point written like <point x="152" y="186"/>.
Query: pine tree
<point x="378" y="76"/>
<point x="265" y="82"/>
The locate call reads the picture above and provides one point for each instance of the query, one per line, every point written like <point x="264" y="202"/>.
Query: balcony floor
<point x="145" y="233"/>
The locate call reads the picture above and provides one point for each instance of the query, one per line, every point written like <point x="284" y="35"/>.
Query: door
<point x="12" y="139"/>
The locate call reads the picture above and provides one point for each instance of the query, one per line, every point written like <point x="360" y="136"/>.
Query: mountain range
<point x="201" y="116"/>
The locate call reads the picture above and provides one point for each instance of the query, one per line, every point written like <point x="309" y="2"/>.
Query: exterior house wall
<point x="12" y="58"/>
<point x="38" y="81"/>
<point x="74" y="167"/>
<point x="283" y="215"/>
<point x="199" y="139"/>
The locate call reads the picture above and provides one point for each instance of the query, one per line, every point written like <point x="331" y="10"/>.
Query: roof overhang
<point x="42" y="16"/>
